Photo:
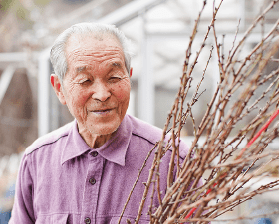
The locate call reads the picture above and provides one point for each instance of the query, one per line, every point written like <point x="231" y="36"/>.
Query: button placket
<point x="92" y="188"/>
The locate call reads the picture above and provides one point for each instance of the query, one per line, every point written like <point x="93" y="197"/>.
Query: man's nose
<point x="101" y="92"/>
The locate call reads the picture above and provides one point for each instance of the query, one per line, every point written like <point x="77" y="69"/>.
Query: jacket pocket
<point x="53" y="219"/>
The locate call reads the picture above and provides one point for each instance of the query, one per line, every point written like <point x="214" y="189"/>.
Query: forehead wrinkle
<point x="96" y="57"/>
<point x="106" y="55"/>
<point x="97" y="51"/>
<point x="79" y="53"/>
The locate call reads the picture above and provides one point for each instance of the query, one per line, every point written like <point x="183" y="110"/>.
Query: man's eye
<point x="86" y="81"/>
<point x="114" y="79"/>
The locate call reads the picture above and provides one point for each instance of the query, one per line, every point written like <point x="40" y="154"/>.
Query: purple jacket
<point x="62" y="180"/>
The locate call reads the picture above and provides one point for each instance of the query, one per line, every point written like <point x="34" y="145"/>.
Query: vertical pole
<point x="131" y="108"/>
<point x="54" y="110"/>
<point x="146" y="88"/>
<point x="44" y="94"/>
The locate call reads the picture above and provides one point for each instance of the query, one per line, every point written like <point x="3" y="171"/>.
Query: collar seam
<point x="152" y="142"/>
<point x="47" y="144"/>
<point x="144" y="138"/>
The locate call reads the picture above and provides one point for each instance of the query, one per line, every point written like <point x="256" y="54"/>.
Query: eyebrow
<point x="81" y="69"/>
<point x="116" y="64"/>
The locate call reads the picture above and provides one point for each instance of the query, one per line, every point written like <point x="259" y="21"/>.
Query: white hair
<point x="58" y="55"/>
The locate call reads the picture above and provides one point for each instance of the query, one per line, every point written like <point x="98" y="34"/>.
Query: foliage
<point x="244" y="88"/>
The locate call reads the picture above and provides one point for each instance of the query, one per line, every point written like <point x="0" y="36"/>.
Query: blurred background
<point x="160" y="31"/>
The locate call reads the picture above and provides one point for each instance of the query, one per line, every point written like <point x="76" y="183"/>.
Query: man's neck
<point x="94" y="140"/>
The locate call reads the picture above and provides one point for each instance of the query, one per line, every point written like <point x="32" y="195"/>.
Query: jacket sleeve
<point x="23" y="211"/>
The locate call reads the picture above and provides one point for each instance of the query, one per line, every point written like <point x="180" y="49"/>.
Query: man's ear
<point x="57" y="86"/>
<point x="131" y="72"/>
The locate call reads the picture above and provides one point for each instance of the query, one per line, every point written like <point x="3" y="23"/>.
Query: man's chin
<point x="106" y="129"/>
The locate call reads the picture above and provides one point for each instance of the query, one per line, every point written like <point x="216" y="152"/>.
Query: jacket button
<point x="87" y="220"/>
<point x="94" y="154"/>
<point x="92" y="181"/>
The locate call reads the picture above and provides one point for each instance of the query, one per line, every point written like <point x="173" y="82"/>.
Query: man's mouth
<point x="102" y="112"/>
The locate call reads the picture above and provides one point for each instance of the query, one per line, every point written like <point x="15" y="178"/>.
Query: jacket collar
<point x="114" y="149"/>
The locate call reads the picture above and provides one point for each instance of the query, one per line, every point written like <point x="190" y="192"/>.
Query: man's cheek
<point x="122" y="92"/>
<point x="81" y="99"/>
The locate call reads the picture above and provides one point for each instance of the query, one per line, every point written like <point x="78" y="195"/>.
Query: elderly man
<point x="84" y="171"/>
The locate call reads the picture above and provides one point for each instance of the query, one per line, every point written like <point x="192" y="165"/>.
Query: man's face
<point x="97" y="84"/>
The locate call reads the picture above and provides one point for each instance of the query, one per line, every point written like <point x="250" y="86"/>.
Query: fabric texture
<point x="62" y="180"/>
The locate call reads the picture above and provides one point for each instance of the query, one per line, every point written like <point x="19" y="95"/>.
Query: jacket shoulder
<point x="50" y="138"/>
<point x="153" y="134"/>
<point x="146" y="131"/>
